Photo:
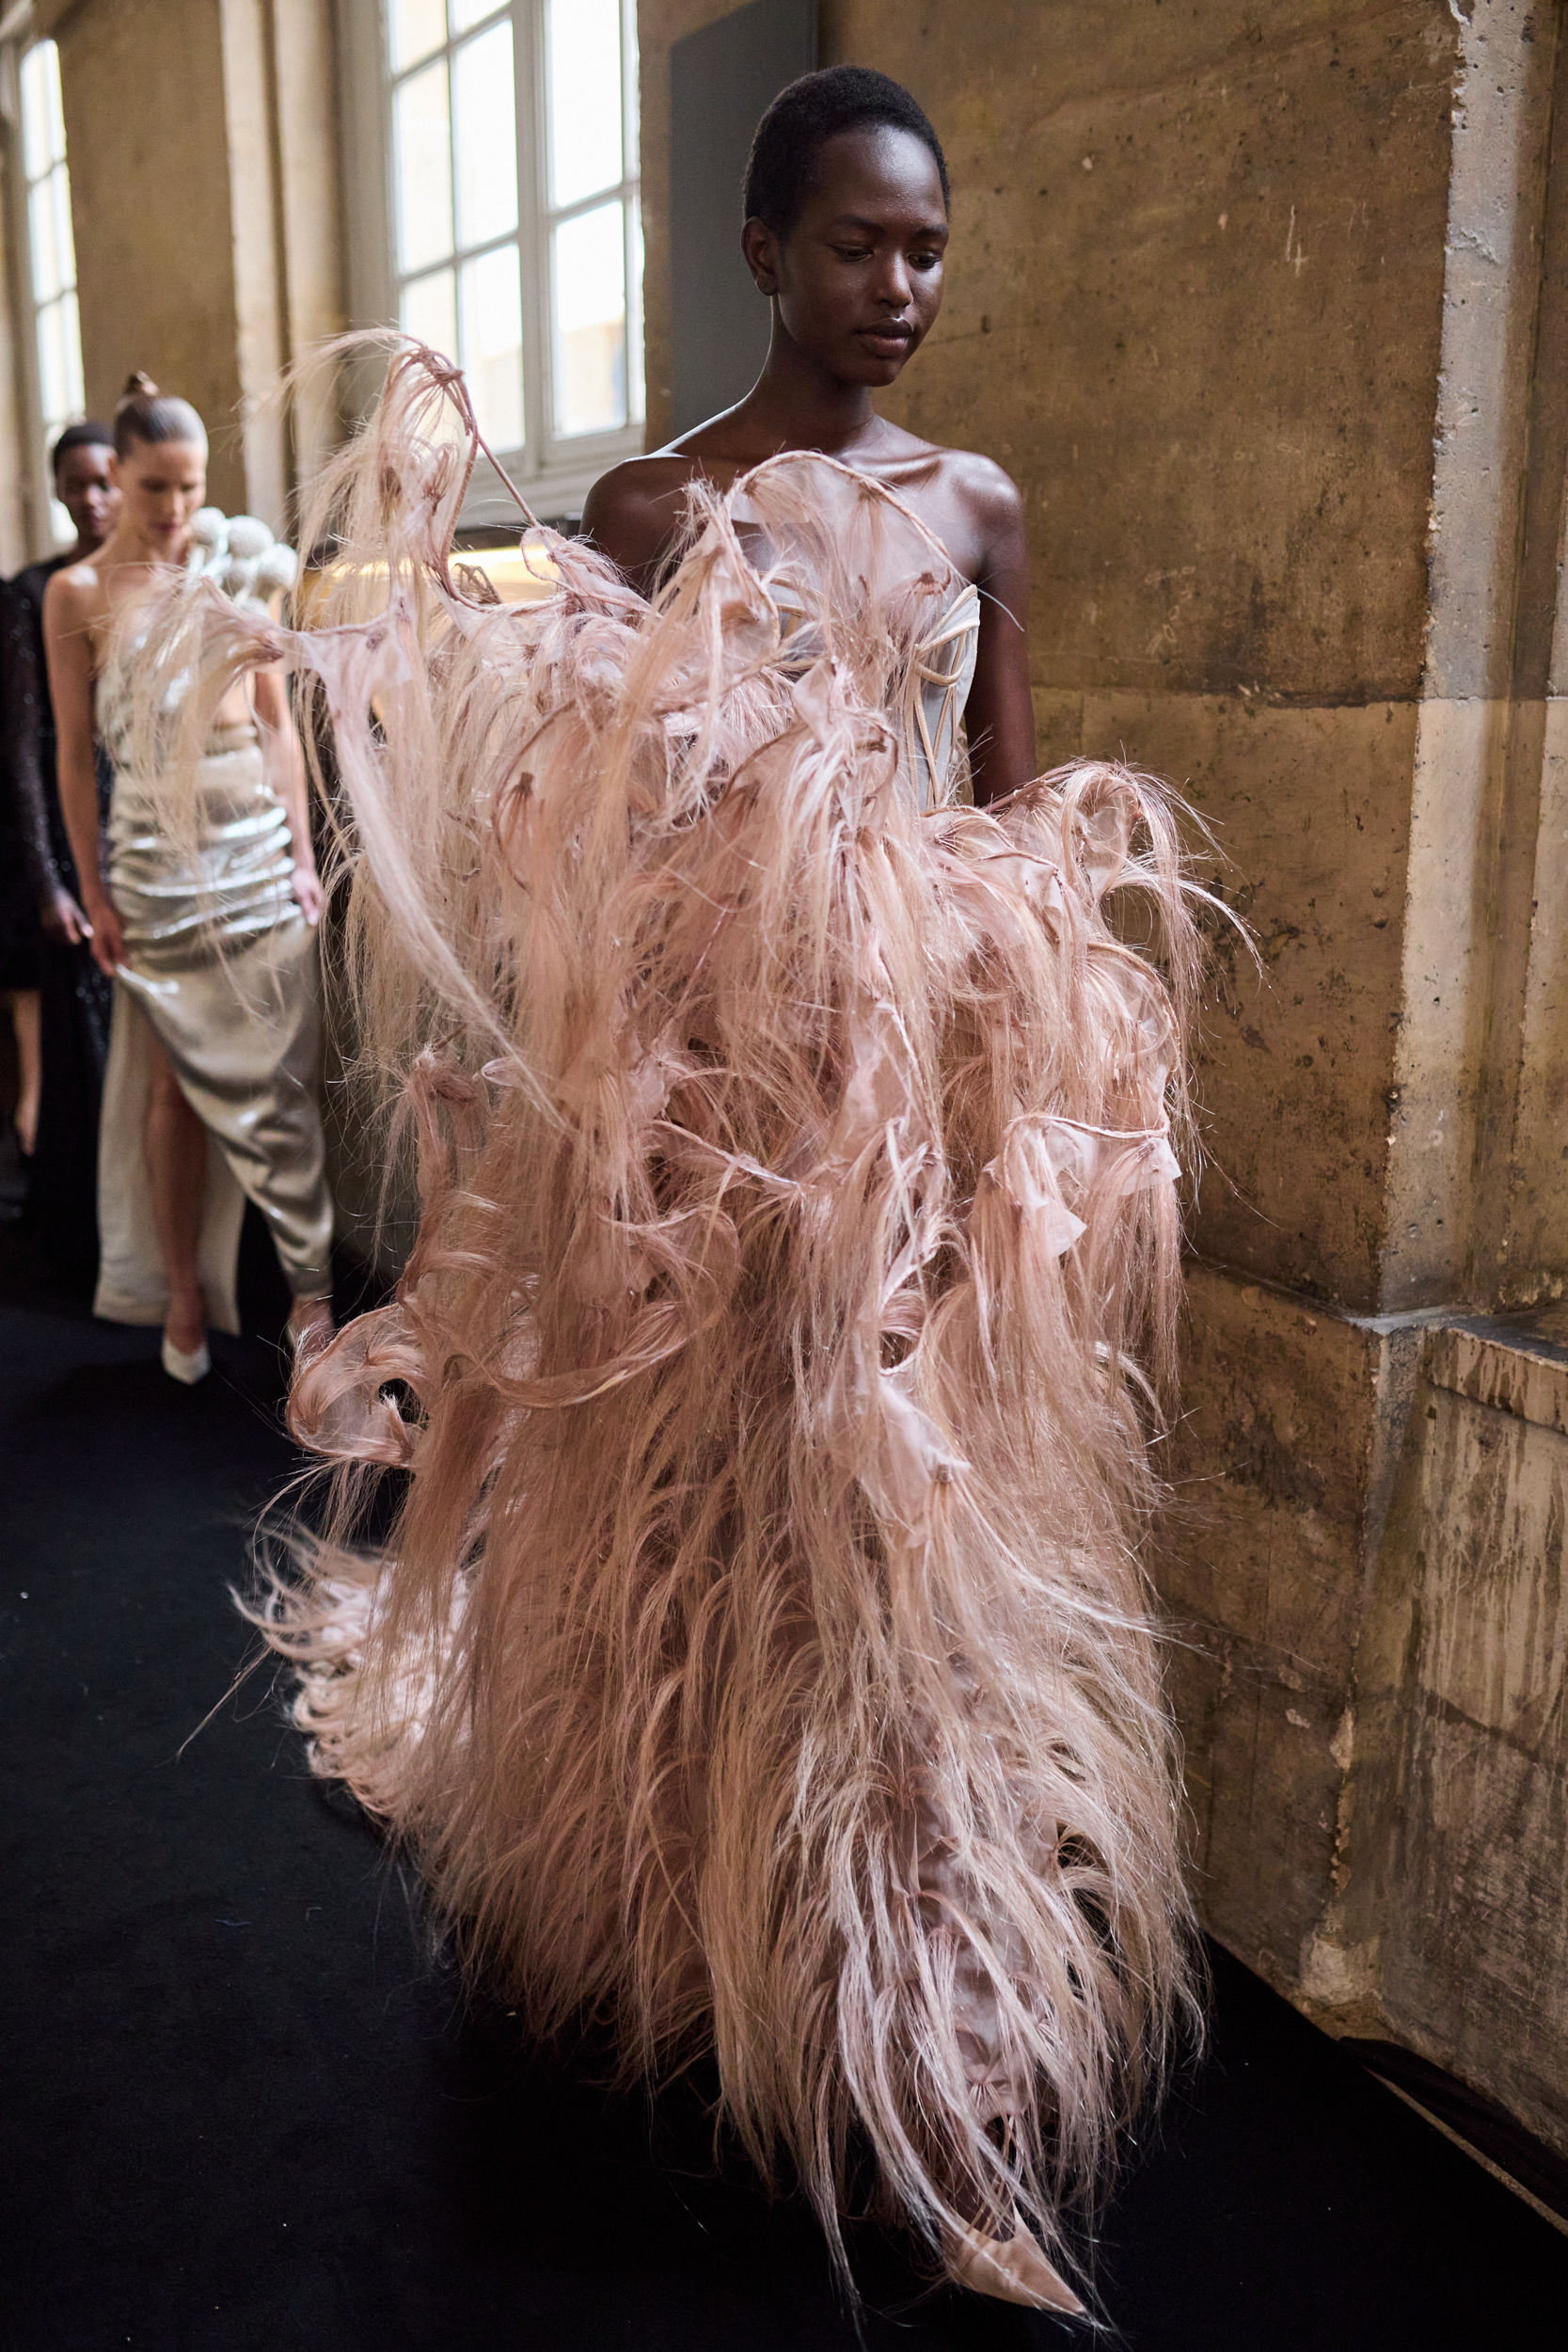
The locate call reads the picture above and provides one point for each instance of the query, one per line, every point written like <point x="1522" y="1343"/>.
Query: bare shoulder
<point x="637" y="487"/>
<point x="73" y="594"/>
<point x="990" y="493"/>
<point x="634" y="512"/>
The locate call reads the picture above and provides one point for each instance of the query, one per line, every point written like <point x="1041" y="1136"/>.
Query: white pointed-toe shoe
<point x="187" y="1366"/>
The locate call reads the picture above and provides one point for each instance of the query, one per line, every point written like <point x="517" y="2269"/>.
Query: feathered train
<point x="760" y="1660"/>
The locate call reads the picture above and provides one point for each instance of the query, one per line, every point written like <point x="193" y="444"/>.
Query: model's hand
<point x="63" y="921"/>
<point x="308" y="893"/>
<point x="109" y="940"/>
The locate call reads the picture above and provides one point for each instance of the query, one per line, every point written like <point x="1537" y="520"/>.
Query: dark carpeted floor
<point x="245" y="2106"/>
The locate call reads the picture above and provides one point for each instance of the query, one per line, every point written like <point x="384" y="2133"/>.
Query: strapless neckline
<point x="940" y="672"/>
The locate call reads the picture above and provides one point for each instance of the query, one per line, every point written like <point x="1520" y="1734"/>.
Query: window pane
<point x="43" y="132"/>
<point x="71" y="337"/>
<point x="415" y="28"/>
<point x="484" y="137"/>
<point x="48" y="279"/>
<point x="634" y="319"/>
<point x="53" y="100"/>
<point x="585" y="97"/>
<point x="65" y="244"/>
<point x="467" y="12"/>
<point x="491" y="299"/>
<point x="428" y="308"/>
<point x="588" y="274"/>
<point x="422" y="130"/>
<point x="55" y="369"/>
<point x="73" y="356"/>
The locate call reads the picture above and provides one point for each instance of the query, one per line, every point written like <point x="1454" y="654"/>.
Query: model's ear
<point x="761" y="248"/>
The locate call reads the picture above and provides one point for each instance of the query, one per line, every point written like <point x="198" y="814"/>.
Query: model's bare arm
<point x="1000" y="720"/>
<point x="285" y="767"/>
<point x="67" y="649"/>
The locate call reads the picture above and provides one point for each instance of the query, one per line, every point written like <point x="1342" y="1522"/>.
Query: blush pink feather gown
<point x="760" y="1662"/>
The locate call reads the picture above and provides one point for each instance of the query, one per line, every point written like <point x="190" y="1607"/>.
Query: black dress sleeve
<point x="28" y="739"/>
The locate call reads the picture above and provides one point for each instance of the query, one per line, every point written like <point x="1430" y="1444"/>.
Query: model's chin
<point x="874" y="364"/>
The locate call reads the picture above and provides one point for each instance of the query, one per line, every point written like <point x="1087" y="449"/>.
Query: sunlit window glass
<point x="60" y="361"/>
<point x="635" y="387"/>
<point x="51" y="252"/>
<point x="590" y="283"/>
<point x="43" y="239"/>
<point x="421" y="133"/>
<point x="520" y="256"/>
<point x="583" y="39"/>
<point x="428" y="308"/>
<point x="490" y="315"/>
<point x="484" y="137"/>
<point x="42" y="115"/>
<point x="415" y="27"/>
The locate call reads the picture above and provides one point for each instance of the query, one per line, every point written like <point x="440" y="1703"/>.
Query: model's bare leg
<point x="30" y="1064"/>
<point x="175" y="1142"/>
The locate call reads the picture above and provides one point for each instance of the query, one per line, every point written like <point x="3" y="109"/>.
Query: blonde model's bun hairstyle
<point x="146" y="414"/>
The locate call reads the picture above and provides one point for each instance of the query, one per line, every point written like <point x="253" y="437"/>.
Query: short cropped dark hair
<point x="88" y="435"/>
<point x="817" y="107"/>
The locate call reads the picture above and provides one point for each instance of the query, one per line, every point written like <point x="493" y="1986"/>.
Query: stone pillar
<point x="205" y="205"/>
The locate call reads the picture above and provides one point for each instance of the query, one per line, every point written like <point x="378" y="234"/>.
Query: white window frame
<point x="16" y="40"/>
<point x="553" y="472"/>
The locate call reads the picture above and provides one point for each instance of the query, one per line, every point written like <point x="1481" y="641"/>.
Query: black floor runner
<point x="245" y="2106"/>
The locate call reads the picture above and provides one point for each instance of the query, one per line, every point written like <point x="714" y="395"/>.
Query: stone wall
<point x="1262" y="307"/>
<point x="201" y="137"/>
<point x="1194" y="303"/>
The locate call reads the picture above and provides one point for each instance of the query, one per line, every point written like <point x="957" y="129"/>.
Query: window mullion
<point x="624" y="190"/>
<point x="449" y="54"/>
<point x="529" y="47"/>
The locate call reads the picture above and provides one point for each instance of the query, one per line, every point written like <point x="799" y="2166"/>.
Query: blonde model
<point x="205" y="920"/>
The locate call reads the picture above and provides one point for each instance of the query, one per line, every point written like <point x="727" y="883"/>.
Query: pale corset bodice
<point x="184" y="902"/>
<point x="111" y="701"/>
<point x="936" y="682"/>
<point x="940" y="674"/>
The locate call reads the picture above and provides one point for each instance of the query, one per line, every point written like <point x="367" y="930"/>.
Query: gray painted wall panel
<point x="721" y="81"/>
